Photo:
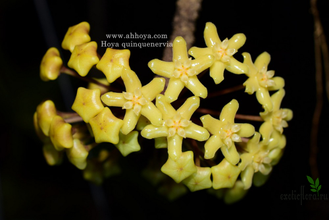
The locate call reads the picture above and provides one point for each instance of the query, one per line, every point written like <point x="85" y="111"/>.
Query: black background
<point x="30" y="189"/>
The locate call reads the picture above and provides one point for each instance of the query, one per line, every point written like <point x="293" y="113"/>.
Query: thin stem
<point x="87" y="79"/>
<point x="225" y="91"/>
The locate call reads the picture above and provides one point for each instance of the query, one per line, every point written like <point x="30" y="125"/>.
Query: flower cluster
<point x="193" y="158"/>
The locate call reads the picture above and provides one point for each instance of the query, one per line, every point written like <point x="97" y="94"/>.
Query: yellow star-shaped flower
<point x="45" y="113"/>
<point x="225" y="132"/>
<point x="60" y="133"/>
<point x="224" y="174"/>
<point x="181" y="168"/>
<point x="222" y="51"/>
<point x="199" y="180"/>
<point x="113" y="62"/>
<point x="84" y="57"/>
<point x="255" y="158"/>
<point x="182" y="71"/>
<point x="277" y="118"/>
<point x="128" y="143"/>
<point x="87" y="103"/>
<point x="260" y="80"/>
<point x="106" y="127"/>
<point x="176" y="125"/>
<point x="50" y="65"/>
<point x="137" y="100"/>
<point x="76" y="35"/>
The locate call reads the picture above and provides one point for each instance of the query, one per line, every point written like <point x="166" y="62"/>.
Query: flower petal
<point x="262" y="61"/>
<point x="247" y="130"/>
<point x="165" y="107"/>
<point x="237" y="41"/>
<point x="152" y="131"/>
<point x="228" y="112"/>
<point x="264" y="99"/>
<point x="113" y="99"/>
<point x="236" y="66"/>
<point x="217" y="71"/>
<point x="197" y="132"/>
<point x="153" y="88"/>
<point x="211" y="36"/>
<point x="162" y="68"/>
<point x="211" y="146"/>
<point x="211" y="124"/>
<point x="198" y="52"/>
<point x="202" y="63"/>
<point x="188" y="108"/>
<point x="247" y="176"/>
<point x="196" y="87"/>
<point x="131" y="80"/>
<point x="174" y="146"/>
<point x="179" y="49"/>
<point x="152" y="113"/>
<point x="231" y="154"/>
<point x="173" y="89"/>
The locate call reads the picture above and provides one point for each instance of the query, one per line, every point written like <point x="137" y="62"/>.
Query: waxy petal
<point x="231" y="154"/>
<point x="196" y="87"/>
<point x="152" y="113"/>
<point x="229" y="111"/>
<point x="173" y="89"/>
<point x="247" y="176"/>
<point x="237" y="67"/>
<point x="113" y="99"/>
<point x="211" y="146"/>
<point x="189" y="107"/>
<point x="262" y="61"/>
<point x="131" y="80"/>
<point x="197" y="132"/>
<point x="179" y="49"/>
<point x="151" y="131"/>
<point x="129" y="122"/>
<point x="162" y="68"/>
<point x="153" y="88"/>
<point x="165" y="107"/>
<point x="174" y="146"/>
<point x="237" y="41"/>
<point x="217" y="71"/>
<point x="211" y="36"/>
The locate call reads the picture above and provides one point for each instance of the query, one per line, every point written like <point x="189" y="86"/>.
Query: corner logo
<point x="315" y="185"/>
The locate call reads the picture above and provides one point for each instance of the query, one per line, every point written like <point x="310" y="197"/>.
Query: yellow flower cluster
<point x="192" y="145"/>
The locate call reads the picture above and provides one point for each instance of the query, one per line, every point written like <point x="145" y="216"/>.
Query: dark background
<point x="30" y="189"/>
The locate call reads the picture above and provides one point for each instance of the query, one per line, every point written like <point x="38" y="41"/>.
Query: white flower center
<point x="222" y="52"/>
<point x="278" y="119"/>
<point x="134" y="101"/>
<point x="265" y="77"/>
<point x="228" y="134"/>
<point x="177" y="125"/>
<point x="259" y="161"/>
<point x="183" y="70"/>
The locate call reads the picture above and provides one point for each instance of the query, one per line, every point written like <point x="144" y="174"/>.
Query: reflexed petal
<point x="196" y="87"/>
<point x="277" y="98"/>
<point x="248" y="61"/>
<point x="266" y="130"/>
<point x="151" y="131"/>
<point x="153" y="88"/>
<point x="174" y="89"/>
<point x="113" y="99"/>
<point x="197" y="132"/>
<point x="211" y="146"/>
<point x="188" y="108"/>
<point x="202" y="63"/>
<point x="130" y="120"/>
<point x="237" y="67"/>
<point x="228" y="112"/>
<point x="264" y="99"/>
<point x="217" y="71"/>
<point x="152" y="113"/>
<point x="247" y="130"/>
<point x="262" y="61"/>
<point x="237" y="41"/>
<point x="162" y="68"/>
<point x="131" y="80"/>
<point x="179" y="49"/>
<point x="198" y="52"/>
<point x="211" y="36"/>
<point x="246" y="177"/>
<point x="278" y="83"/>
<point x="211" y="124"/>
<point x="165" y="107"/>
<point x="174" y="147"/>
<point x="231" y="154"/>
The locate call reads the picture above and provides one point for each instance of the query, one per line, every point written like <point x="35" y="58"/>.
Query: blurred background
<point x="30" y="189"/>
